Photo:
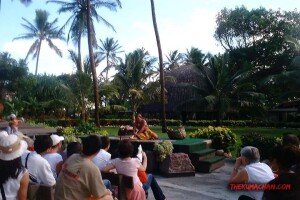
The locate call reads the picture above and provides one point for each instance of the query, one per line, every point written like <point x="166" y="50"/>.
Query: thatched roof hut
<point x="179" y="92"/>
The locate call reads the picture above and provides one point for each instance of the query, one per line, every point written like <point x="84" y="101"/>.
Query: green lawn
<point x="113" y="131"/>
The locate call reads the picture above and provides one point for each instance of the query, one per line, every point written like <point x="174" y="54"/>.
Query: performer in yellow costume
<point x="142" y="130"/>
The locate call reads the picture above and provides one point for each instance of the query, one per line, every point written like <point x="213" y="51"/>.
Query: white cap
<point x="56" y="139"/>
<point x="12" y="116"/>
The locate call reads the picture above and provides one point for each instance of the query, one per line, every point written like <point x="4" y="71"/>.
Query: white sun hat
<point x="56" y="139"/>
<point x="11" y="147"/>
<point x="3" y="134"/>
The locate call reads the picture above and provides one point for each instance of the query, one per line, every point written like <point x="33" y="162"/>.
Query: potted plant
<point x="162" y="150"/>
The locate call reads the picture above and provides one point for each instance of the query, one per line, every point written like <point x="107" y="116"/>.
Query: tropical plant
<point x="222" y="138"/>
<point x="163" y="149"/>
<point x="132" y="77"/>
<point x="78" y="19"/>
<point x="222" y="83"/>
<point x="82" y="21"/>
<point x="10" y="71"/>
<point x="41" y="30"/>
<point x="110" y="48"/>
<point x="195" y="56"/>
<point x="174" y="59"/>
<point x="161" y="71"/>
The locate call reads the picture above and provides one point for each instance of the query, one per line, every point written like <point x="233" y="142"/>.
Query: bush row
<point x="264" y="143"/>
<point x="172" y="122"/>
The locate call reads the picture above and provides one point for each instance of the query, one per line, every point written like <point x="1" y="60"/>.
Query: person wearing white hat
<point x="14" y="177"/>
<point x="53" y="157"/>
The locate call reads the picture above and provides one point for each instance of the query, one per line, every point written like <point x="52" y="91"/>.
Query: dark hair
<point x="125" y="149"/>
<point x="73" y="147"/>
<point x="90" y="145"/>
<point x="290" y="139"/>
<point x="12" y="123"/>
<point x="105" y="142"/>
<point x="286" y="156"/>
<point x="10" y="169"/>
<point x="42" y="143"/>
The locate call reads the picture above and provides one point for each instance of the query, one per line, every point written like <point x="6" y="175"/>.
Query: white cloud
<point x="197" y="31"/>
<point x="49" y="61"/>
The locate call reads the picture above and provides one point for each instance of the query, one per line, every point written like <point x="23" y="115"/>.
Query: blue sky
<point x="181" y="24"/>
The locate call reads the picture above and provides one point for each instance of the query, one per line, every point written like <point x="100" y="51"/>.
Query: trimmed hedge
<point x="264" y="143"/>
<point x="173" y="122"/>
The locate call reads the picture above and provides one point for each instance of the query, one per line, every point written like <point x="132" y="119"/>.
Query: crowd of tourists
<point x="74" y="172"/>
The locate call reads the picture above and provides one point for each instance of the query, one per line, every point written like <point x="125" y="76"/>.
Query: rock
<point x="177" y="164"/>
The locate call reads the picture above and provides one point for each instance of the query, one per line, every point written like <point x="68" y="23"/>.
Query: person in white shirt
<point x="38" y="167"/>
<point x="252" y="171"/>
<point x="14" y="177"/>
<point x="53" y="157"/>
<point x="103" y="157"/>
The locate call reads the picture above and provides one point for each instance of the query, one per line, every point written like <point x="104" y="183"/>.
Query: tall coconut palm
<point x="78" y="18"/>
<point x="161" y="70"/>
<point x="84" y="22"/>
<point x="41" y="30"/>
<point x="110" y="48"/>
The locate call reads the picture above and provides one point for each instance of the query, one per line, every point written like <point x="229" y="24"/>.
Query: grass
<point x="277" y="132"/>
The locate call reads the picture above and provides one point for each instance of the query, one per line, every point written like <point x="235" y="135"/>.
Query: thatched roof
<point x="177" y="94"/>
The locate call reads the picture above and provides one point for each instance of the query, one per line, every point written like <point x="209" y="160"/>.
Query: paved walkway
<point x="211" y="186"/>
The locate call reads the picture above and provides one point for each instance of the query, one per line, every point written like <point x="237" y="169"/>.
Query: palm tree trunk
<point x="92" y="60"/>
<point x="38" y="57"/>
<point x="161" y="71"/>
<point x="79" y="53"/>
<point x="107" y="63"/>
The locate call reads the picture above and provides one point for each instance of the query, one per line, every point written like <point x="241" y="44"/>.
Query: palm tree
<point x="161" y="70"/>
<point x="41" y="30"/>
<point x="110" y="48"/>
<point x="194" y="56"/>
<point x="83" y="12"/>
<point x="174" y="59"/>
<point x="132" y="77"/>
<point x="223" y="80"/>
<point x="78" y="19"/>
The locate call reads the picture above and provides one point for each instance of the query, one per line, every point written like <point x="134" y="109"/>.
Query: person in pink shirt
<point x="129" y="166"/>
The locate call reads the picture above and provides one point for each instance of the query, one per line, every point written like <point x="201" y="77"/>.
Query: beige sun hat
<point x="11" y="147"/>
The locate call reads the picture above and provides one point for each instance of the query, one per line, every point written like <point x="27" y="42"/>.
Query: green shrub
<point x="163" y="149"/>
<point x="263" y="143"/>
<point x="222" y="138"/>
<point x="87" y="129"/>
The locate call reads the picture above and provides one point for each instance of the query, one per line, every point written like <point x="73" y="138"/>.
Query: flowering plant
<point x="222" y="138"/>
<point x="163" y="149"/>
